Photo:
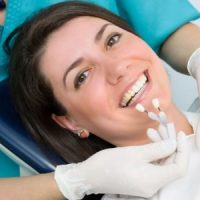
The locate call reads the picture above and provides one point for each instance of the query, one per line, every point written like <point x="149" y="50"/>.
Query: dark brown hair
<point x="32" y="93"/>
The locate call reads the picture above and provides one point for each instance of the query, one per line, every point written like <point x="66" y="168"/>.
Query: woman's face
<point x="99" y="72"/>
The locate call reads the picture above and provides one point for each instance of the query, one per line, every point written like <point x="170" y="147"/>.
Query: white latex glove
<point x="164" y="132"/>
<point x="123" y="170"/>
<point x="193" y="67"/>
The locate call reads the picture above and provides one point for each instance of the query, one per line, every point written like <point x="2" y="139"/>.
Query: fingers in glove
<point x="183" y="151"/>
<point x="170" y="172"/>
<point x="159" y="135"/>
<point x="173" y="158"/>
<point x="171" y="130"/>
<point x="163" y="132"/>
<point x="153" y="135"/>
<point x="163" y="117"/>
<point x="159" y="150"/>
<point x="153" y="116"/>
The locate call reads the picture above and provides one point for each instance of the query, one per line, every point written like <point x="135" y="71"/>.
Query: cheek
<point x="160" y="77"/>
<point x="88" y="102"/>
<point x="161" y="83"/>
<point x="137" y="46"/>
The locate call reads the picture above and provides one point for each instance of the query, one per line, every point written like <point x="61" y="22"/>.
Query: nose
<point x="116" y="70"/>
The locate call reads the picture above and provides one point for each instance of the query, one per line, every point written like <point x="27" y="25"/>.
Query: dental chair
<point x="17" y="144"/>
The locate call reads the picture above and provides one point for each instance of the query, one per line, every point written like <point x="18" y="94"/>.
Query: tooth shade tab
<point x="134" y="89"/>
<point x="139" y="107"/>
<point x="156" y="103"/>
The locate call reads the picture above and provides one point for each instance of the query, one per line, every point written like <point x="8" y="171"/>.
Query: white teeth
<point x="134" y="89"/>
<point x="137" y="87"/>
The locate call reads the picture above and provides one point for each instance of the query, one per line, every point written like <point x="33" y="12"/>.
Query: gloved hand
<point x="165" y="131"/>
<point x="123" y="170"/>
<point x="193" y="67"/>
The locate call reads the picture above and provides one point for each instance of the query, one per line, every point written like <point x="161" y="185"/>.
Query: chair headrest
<point x="15" y="137"/>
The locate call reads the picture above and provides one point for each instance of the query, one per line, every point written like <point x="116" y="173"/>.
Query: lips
<point x="135" y="90"/>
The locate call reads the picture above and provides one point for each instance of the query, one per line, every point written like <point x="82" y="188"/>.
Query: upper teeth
<point x="135" y="88"/>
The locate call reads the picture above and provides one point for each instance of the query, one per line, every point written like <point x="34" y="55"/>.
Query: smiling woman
<point x="33" y="47"/>
<point x="110" y="66"/>
<point x="81" y="81"/>
<point x="79" y="69"/>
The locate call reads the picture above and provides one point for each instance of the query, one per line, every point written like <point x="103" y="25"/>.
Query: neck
<point x="178" y="118"/>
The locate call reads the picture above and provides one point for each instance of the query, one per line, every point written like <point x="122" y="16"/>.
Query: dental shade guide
<point x="161" y="117"/>
<point x="139" y="107"/>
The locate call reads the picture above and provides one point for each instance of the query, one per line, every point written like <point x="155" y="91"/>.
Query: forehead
<point x="69" y="42"/>
<point x="77" y="27"/>
<point x="75" y="33"/>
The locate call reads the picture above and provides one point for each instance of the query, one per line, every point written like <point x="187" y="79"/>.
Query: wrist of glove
<point x="194" y="63"/>
<point x="70" y="182"/>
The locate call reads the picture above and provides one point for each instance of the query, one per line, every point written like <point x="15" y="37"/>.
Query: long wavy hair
<point x="32" y="93"/>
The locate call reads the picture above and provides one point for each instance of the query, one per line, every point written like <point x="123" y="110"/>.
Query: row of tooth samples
<point x="134" y="89"/>
<point x="156" y="103"/>
<point x="161" y="117"/>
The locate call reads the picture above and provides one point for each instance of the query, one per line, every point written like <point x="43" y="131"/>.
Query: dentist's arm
<point x="182" y="52"/>
<point x="124" y="170"/>
<point x="39" y="187"/>
<point x="178" y="48"/>
<point x="111" y="171"/>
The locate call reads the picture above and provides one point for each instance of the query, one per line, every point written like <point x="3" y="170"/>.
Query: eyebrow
<point x="100" y="32"/>
<point x="71" y="67"/>
<point x="76" y="63"/>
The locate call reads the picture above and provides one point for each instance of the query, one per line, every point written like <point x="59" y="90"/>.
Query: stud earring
<point x="83" y="133"/>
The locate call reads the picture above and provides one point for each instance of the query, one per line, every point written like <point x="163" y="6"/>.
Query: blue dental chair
<point x="17" y="143"/>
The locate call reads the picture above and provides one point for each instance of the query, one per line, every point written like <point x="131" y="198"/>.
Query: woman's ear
<point x="65" y="122"/>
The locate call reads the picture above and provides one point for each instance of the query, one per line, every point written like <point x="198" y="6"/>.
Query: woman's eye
<point x="80" y="79"/>
<point x="113" y="40"/>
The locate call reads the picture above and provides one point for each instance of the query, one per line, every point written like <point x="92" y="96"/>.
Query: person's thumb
<point x="178" y="167"/>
